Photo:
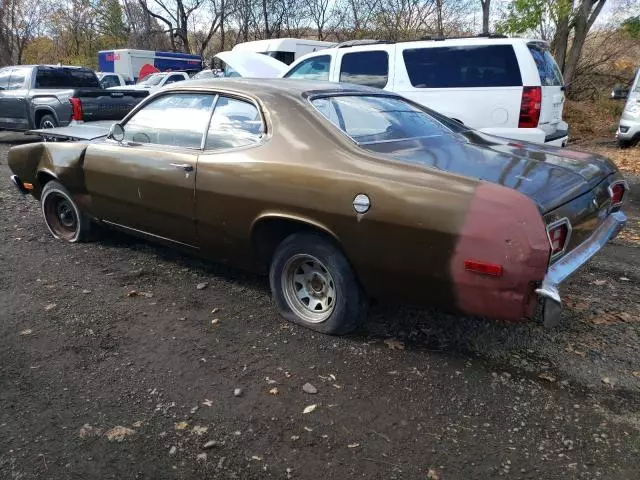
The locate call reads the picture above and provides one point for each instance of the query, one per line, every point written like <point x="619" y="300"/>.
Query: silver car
<point x="628" y="133"/>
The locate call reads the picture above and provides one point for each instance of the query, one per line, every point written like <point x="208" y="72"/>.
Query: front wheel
<point x="64" y="219"/>
<point x="313" y="285"/>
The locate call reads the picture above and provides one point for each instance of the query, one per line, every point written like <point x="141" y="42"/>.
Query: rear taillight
<point x="530" y="107"/>
<point x="617" y="191"/>
<point x="559" y="233"/>
<point x="76" y="109"/>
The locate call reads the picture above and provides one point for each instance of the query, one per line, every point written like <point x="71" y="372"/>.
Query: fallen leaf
<point x="198" y="430"/>
<point x="547" y="376"/>
<point x="137" y="424"/>
<point x="118" y="434"/>
<point x="394" y="344"/>
<point x="28" y="331"/>
<point x="85" y="291"/>
<point x="215" y="321"/>
<point x="181" y="425"/>
<point x="604" y="319"/>
<point x="353" y="445"/>
<point x="432" y="474"/>
<point x="89" y="431"/>
<point x="214" y="311"/>
<point x="202" y="286"/>
<point x="274" y="391"/>
<point x="624" y="279"/>
<point x="636" y="374"/>
<point x="256" y="457"/>
<point x="626" y="317"/>
<point x="599" y="282"/>
<point x="207" y="403"/>
<point x="136" y="293"/>
<point x="49" y="306"/>
<point x="606" y="380"/>
<point x="310" y="408"/>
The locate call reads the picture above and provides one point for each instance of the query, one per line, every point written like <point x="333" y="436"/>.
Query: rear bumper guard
<point x="572" y="261"/>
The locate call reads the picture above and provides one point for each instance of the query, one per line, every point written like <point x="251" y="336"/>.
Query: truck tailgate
<point x="99" y="104"/>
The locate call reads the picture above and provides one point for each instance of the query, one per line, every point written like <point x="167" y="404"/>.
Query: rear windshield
<point x="370" y="120"/>
<point x="547" y="68"/>
<point x="463" y="66"/>
<point x="66" y="78"/>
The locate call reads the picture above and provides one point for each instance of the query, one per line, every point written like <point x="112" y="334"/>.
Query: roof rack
<point x="439" y="38"/>
<point x="354" y="43"/>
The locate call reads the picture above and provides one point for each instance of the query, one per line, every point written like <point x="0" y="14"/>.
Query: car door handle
<point x="184" y="166"/>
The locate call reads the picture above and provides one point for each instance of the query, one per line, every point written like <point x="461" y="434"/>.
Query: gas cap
<point x="361" y="203"/>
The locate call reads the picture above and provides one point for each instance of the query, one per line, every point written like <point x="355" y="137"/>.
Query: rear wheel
<point x="48" y="121"/>
<point x="313" y="285"/>
<point x="64" y="219"/>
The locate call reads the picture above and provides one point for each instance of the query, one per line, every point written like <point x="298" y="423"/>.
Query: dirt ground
<point x="115" y="365"/>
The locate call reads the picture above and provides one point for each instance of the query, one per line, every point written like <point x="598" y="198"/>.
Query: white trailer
<point x="287" y="50"/>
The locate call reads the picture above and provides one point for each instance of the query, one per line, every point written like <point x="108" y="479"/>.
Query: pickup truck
<point x="49" y="96"/>
<point x="109" y="80"/>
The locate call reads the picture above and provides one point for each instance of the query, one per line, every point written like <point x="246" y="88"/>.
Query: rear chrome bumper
<point x="572" y="261"/>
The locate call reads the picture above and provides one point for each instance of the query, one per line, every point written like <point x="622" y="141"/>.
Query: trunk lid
<point x="253" y="65"/>
<point x="550" y="176"/>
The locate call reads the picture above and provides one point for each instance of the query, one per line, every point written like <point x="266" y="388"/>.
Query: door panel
<point x="148" y="188"/>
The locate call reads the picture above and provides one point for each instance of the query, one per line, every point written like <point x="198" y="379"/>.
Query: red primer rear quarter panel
<point x="502" y="227"/>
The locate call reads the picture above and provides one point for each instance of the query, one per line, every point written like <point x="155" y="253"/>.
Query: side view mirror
<point x="116" y="132"/>
<point x="619" y="92"/>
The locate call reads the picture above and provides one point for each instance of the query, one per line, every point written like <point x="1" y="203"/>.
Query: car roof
<point x="284" y="86"/>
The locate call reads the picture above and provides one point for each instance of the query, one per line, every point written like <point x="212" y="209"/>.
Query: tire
<point x="64" y="219"/>
<point x="330" y="300"/>
<point x="47" y="121"/>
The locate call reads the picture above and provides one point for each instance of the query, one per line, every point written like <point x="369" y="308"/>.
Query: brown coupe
<point x="342" y="192"/>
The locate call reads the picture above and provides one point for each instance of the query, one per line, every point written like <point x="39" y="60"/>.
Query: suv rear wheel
<point x="313" y="285"/>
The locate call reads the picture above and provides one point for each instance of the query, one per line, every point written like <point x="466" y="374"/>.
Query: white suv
<point x="510" y="87"/>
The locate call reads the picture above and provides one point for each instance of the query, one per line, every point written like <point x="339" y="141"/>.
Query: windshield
<point x="153" y="79"/>
<point x="376" y="119"/>
<point x="204" y="74"/>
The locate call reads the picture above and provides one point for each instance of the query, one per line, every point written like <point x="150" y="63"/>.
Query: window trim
<point x="346" y="54"/>
<point x="216" y="94"/>
<point x="312" y="97"/>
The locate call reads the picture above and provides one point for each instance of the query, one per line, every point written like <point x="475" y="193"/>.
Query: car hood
<point x="550" y="176"/>
<point x="253" y="65"/>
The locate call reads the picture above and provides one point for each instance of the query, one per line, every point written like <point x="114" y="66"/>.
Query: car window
<point x="61" y="77"/>
<point x="18" y="76"/>
<point x="284" y="57"/>
<point x="463" y="66"/>
<point x="174" y="79"/>
<point x="179" y="120"/>
<point x="235" y="123"/>
<point x="5" y="73"/>
<point x="110" y="81"/>
<point x="377" y="119"/>
<point x="547" y="68"/>
<point x="365" y="68"/>
<point x="315" y="68"/>
<point x="153" y="79"/>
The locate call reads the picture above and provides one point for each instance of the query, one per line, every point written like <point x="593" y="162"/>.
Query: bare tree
<point x="176" y="15"/>
<point x="486" y="9"/>
<point x="319" y="13"/>
<point x="20" y="22"/>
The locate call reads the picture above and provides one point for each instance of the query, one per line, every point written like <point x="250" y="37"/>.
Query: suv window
<point x="5" y="73"/>
<point x="110" y="81"/>
<point x="365" y="68"/>
<point x="547" y="68"/>
<point x="18" y="76"/>
<point x="464" y="66"/>
<point x="178" y="120"/>
<point x="315" y="68"/>
<point x="235" y="123"/>
<point x="174" y="79"/>
<point x="66" y="78"/>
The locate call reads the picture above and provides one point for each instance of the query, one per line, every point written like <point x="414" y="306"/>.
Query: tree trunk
<point x="440" y="28"/>
<point x="560" y="42"/>
<point x="584" y="17"/>
<point x="486" y="6"/>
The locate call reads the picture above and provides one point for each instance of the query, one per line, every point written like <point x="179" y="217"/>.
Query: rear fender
<point x="63" y="161"/>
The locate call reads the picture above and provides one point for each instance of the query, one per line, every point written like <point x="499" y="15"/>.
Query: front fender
<point x="64" y="161"/>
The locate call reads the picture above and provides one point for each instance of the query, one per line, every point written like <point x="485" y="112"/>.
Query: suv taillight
<point x="76" y="109"/>
<point x="559" y="233"/>
<point x="530" y="107"/>
<point x="616" y="192"/>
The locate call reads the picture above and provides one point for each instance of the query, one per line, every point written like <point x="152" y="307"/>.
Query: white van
<point x="287" y="50"/>
<point x="628" y="133"/>
<point x="510" y="87"/>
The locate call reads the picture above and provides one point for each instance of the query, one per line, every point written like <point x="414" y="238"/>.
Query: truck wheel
<point x="313" y="285"/>
<point x="48" y="121"/>
<point x="64" y="219"/>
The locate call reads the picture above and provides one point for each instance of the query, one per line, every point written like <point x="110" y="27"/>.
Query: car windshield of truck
<point x="153" y="79"/>
<point x="62" y="77"/>
<point x="378" y="119"/>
